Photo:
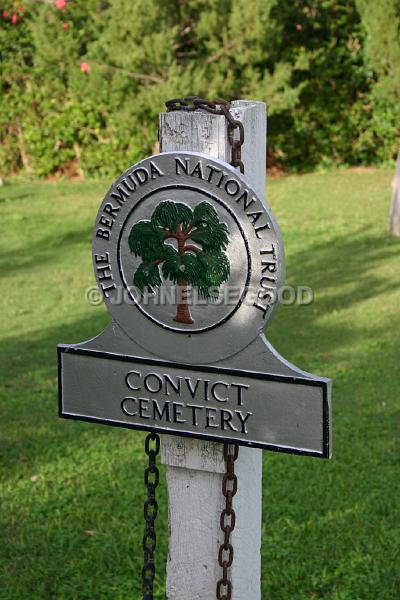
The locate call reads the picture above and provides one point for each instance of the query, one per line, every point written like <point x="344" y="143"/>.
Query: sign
<point x="189" y="261"/>
<point x="187" y="257"/>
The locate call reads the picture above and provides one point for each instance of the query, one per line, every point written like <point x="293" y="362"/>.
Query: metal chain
<point x="151" y="481"/>
<point x="227" y="522"/>
<point x="215" y="107"/>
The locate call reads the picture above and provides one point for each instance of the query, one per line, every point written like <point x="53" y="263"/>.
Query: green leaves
<point x="172" y="267"/>
<point x="145" y="241"/>
<point x="204" y="266"/>
<point x="168" y="215"/>
<point x="215" y="267"/>
<point x="204" y="271"/>
<point x="204" y="213"/>
<point x="147" y="276"/>
<point x="313" y="60"/>
<point x="207" y="230"/>
<point x="211" y="236"/>
<point x="190" y="268"/>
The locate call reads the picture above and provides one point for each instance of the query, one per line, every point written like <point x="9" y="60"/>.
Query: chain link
<point x="215" y="107"/>
<point x="151" y="481"/>
<point x="227" y="522"/>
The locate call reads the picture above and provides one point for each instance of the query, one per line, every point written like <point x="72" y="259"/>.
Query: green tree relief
<point x="197" y="257"/>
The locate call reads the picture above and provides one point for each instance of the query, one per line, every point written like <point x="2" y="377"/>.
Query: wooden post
<point x="195" y="468"/>
<point x="395" y="206"/>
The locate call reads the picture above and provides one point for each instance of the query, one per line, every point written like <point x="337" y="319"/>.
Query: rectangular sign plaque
<point x="273" y="412"/>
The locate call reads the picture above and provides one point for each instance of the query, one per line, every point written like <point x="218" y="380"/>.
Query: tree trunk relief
<point x="183" y="311"/>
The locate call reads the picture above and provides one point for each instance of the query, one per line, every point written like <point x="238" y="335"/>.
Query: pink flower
<point x="61" y="4"/>
<point x="14" y="19"/>
<point x="6" y="14"/>
<point x="65" y="26"/>
<point x="85" y="67"/>
<point x="298" y="26"/>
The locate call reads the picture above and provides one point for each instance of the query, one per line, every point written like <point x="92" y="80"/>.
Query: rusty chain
<point x="151" y="481"/>
<point x="215" y="107"/>
<point x="227" y="522"/>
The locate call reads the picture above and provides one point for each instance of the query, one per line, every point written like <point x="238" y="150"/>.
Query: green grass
<point x="330" y="529"/>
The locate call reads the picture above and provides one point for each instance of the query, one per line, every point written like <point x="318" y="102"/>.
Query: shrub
<point x="82" y="82"/>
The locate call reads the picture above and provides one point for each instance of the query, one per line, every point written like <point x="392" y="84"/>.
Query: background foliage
<point x="82" y="82"/>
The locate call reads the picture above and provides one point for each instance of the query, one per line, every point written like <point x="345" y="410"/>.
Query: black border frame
<point x="326" y="446"/>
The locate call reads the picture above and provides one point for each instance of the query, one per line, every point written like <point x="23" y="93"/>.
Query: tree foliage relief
<point x="183" y="246"/>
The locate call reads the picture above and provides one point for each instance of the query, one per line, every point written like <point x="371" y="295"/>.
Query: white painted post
<point x="195" y="468"/>
<point x="394" y="226"/>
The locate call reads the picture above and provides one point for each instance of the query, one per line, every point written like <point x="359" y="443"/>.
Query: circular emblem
<point x="187" y="256"/>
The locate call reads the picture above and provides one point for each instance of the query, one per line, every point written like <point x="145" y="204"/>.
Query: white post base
<point x="195" y="501"/>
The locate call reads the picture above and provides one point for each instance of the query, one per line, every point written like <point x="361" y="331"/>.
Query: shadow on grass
<point x="89" y="478"/>
<point x="339" y="273"/>
<point x="340" y="261"/>
<point x="21" y="196"/>
<point x="30" y="405"/>
<point x="332" y="508"/>
<point x="320" y="506"/>
<point x="47" y="250"/>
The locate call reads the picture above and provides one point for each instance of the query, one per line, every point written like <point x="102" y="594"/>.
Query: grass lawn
<point x="72" y="492"/>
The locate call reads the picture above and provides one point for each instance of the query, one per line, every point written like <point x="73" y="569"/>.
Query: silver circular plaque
<point x="187" y="257"/>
